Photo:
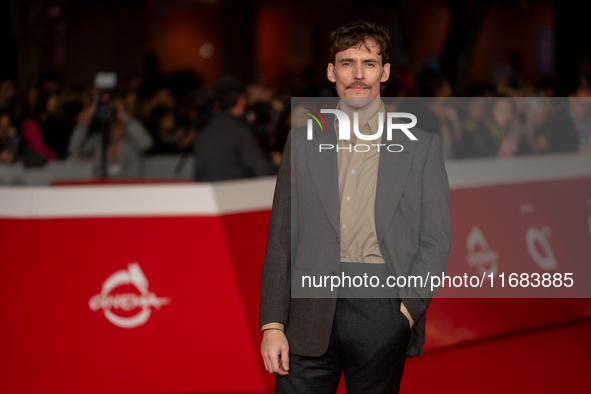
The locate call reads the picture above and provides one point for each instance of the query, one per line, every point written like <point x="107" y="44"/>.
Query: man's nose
<point x="359" y="71"/>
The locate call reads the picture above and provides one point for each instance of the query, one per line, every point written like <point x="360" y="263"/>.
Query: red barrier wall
<point x="184" y="285"/>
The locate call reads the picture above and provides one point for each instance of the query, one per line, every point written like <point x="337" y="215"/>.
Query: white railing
<point x="247" y="194"/>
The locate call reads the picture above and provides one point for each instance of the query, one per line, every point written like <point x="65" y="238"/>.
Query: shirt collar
<point x="373" y="122"/>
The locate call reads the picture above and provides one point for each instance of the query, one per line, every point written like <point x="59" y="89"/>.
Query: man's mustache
<point x="358" y="84"/>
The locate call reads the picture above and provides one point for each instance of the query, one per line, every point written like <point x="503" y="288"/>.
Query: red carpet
<point x="550" y="360"/>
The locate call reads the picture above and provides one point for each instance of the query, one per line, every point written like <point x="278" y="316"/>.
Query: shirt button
<point x="344" y="225"/>
<point x="337" y="239"/>
<point x="352" y="171"/>
<point x="348" y="198"/>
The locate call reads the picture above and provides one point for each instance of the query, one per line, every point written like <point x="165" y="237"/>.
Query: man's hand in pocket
<point x="405" y="312"/>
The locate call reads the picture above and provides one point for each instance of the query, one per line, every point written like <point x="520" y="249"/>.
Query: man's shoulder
<point x="298" y="133"/>
<point x="423" y="137"/>
<point x="224" y="126"/>
<point x="298" y="137"/>
<point x="222" y="120"/>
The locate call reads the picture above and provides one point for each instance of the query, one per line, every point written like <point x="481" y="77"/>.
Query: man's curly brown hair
<point x="355" y="33"/>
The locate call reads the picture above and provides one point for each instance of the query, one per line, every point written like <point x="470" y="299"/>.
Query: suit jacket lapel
<point x="392" y="174"/>
<point x="323" y="170"/>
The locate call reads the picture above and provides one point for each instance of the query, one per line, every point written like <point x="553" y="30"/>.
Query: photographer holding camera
<point x="125" y="138"/>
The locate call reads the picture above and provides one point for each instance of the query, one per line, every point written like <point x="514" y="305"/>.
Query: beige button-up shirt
<point x="358" y="176"/>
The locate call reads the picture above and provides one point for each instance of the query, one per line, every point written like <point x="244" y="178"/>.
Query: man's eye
<point x="370" y="64"/>
<point x="346" y="64"/>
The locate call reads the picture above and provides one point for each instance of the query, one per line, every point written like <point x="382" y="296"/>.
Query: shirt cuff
<point x="278" y="326"/>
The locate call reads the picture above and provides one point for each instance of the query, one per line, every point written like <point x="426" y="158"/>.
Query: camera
<point x="105" y="82"/>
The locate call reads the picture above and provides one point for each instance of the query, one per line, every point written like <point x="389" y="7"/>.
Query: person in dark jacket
<point x="498" y="135"/>
<point x="570" y="129"/>
<point x="226" y="148"/>
<point x="9" y="139"/>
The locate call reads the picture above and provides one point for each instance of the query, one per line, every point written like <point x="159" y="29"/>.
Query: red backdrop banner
<point x="169" y="303"/>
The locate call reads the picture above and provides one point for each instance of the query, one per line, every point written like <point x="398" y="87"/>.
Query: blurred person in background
<point x="7" y="92"/>
<point x="198" y="109"/>
<point x="58" y="128"/>
<point x="582" y="77"/>
<point x="226" y="148"/>
<point x="130" y="102"/>
<point x="128" y="139"/>
<point x="50" y="81"/>
<point x="507" y="75"/>
<point x="255" y="93"/>
<point x="498" y="135"/>
<point x="536" y="112"/>
<point x="169" y="136"/>
<point x="36" y="150"/>
<point x="265" y="117"/>
<point x="9" y="139"/>
<point x="429" y="84"/>
<point x="29" y="101"/>
<point x="163" y="97"/>
<point x="471" y="122"/>
<point x="549" y="87"/>
<point x="570" y="129"/>
<point x="134" y="81"/>
<point x="57" y="118"/>
<point x="433" y="112"/>
<point x="281" y="104"/>
<point x="450" y="127"/>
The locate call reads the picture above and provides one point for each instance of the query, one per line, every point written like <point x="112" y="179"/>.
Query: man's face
<point x="502" y="112"/>
<point x="358" y="71"/>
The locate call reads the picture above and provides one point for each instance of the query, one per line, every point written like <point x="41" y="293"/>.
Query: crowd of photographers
<point x="46" y="123"/>
<point x="236" y="131"/>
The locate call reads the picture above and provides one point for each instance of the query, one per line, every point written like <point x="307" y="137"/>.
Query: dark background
<point x="285" y="43"/>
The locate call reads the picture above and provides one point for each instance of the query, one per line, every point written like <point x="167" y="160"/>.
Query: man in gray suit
<point x="226" y="149"/>
<point x="353" y="213"/>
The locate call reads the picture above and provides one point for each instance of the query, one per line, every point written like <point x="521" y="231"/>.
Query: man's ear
<point x="330" y="73"/>
<point x="385" y="73"/>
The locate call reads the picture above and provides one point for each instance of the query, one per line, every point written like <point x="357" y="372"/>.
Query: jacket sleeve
<point x="80" y="143"/>
<point x="276" y="273"/>
<point x="33" y="136"/>
<point x="138" y="134"/>
<point x="435" y="235"/>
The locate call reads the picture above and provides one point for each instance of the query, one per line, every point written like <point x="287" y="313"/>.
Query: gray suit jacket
<point x="226" y="149"/>
<point x="413" y="226"/>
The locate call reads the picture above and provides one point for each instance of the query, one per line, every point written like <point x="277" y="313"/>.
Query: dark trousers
<point x="367" y="344"/>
